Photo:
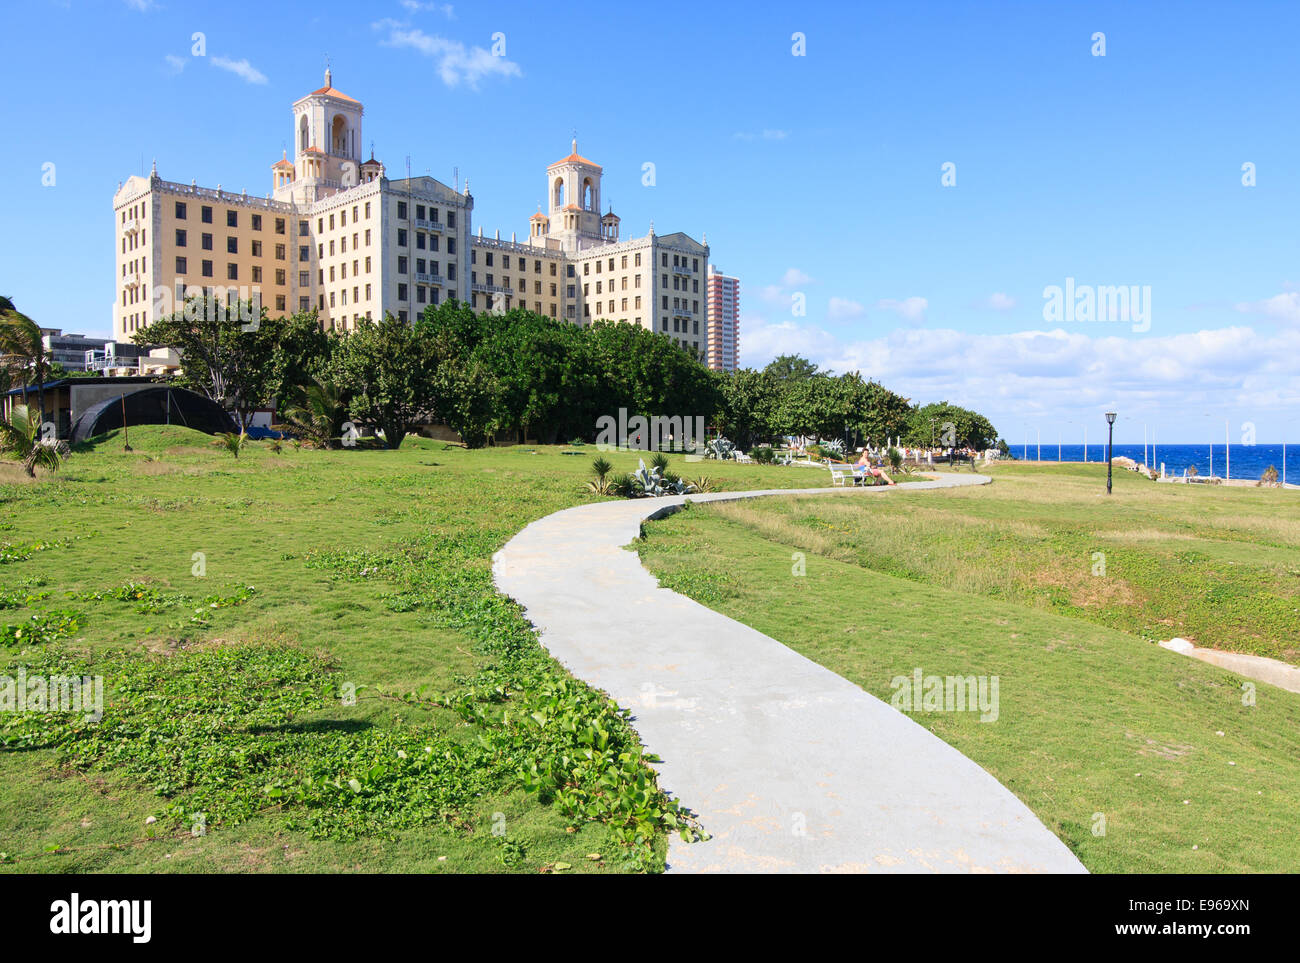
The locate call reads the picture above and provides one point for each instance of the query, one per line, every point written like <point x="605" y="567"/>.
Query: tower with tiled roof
<point x="327" y="143"/>
<point x="573" y="187"/>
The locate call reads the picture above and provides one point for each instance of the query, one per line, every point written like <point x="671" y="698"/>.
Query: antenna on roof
<point x="455" y="179"/>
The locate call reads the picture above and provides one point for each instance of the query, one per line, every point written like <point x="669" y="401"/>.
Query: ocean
<point x="1247" y="461"/>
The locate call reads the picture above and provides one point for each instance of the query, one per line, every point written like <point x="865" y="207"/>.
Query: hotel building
<point x="336" y="235"/>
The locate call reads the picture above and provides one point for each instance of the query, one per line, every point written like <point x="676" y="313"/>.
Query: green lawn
<point x="323" y="573"/>
<point x="998" y="580"/>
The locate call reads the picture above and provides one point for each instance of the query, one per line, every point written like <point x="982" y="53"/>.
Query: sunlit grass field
<point x="1139" y="759"/>
<point x="357" y="567"/>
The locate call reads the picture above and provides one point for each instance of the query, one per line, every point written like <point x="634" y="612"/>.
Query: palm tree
<point x="18" y="438"/>
<point x="317" y="413"/>
<point x="22" y="349"/>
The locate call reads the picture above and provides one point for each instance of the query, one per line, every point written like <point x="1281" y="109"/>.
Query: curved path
<point x="790" y="767"/>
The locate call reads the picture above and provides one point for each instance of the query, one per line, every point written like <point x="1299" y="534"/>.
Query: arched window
<point x="588" y="194"/>
<point x="559" y="192"/>
<point x="302" y="134"/>
<point x="339" y="136"/>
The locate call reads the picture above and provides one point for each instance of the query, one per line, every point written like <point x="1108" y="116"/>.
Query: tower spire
<point x="328" y="81"/>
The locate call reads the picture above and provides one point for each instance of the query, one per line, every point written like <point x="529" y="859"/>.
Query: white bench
<point x="841" y="472"/>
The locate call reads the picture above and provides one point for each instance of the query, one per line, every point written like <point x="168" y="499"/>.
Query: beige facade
<point x="336" y="235"/>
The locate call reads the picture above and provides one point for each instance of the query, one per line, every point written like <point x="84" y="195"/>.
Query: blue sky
<point x="815" y="175"/>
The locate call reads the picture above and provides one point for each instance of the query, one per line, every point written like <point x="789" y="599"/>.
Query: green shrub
<point x="763" y="455"/>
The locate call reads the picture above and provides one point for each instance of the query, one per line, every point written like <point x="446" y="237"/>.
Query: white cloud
<point x="1001" y="302"/>
<point x="1280" y="307"/>
<point x="911" y="309"/>
<point x="175" y="64"/>
<point x="456" y="63"/>
<point x="793" y="277"/>
<point x="415" y="6"/>
<point x="240" y="68"/>
<point x="1062" y="378"/>
<point x="768" y="133"/>
<point x="841" y="309"/>
<point x="142" y="6"/>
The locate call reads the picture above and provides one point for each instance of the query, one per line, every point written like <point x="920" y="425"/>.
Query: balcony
<point x="489" y="288"/>
<point x="437" y="279"/>
<point x="682" y="269"/>
<point x="422" y="224"/>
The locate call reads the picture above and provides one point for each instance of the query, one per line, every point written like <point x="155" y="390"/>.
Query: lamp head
<point x="1110" y="417"/>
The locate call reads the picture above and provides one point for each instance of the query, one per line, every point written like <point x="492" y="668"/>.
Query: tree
<point x="18" y="438"/>
<point x="222" y="356"/>
<point x="749" y="406"/>
<point x="950" y="426"/>
<point x="390" y="370"/>
<point x="317" y="412"/>
<point x="790" y="368"/>
<point x="22" y="350"/>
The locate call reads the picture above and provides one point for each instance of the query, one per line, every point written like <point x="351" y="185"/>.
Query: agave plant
<point x="833" y="447"/>
<point x="704" y="484"/>
<point x="18" y="439"/>
<point x="720" y="448"/>
<point x="653" y="483"/>
<point x="660" y="461"/>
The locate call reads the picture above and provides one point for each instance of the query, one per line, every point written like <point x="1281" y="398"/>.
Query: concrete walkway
<point x="789" y="767"/>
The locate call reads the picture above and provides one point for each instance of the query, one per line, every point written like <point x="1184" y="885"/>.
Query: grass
<point x="233" y="607"/>
<point x="1096" y="722"/>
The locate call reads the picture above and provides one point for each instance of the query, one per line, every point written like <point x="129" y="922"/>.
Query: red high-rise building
<point x="723" y="321"/>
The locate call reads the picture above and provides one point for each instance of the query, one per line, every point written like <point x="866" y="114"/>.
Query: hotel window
<point x="451" y="245"/>
<point x="552" y="269"/>
<point x="304" y="304"/>
<point x="257" y="222"/>
<point x="232" y="245"/>
<point x="489" y="258"/>
<point x="280" y="276"/>
<point x="419" y="212"/>
<point x="207" y="269"/>
<point x="355" y="237"/>
<point x="180" y="265"/>
<point x="207" y="242"/>
<point x="280" y="302"/>
<point x="586" y="289"/>
<point x="356" y="295"/>
<point x="421" y="293"/>
<point x="355" y="265"/>
<point x="637" y="262"/>
<point x="638" y="280"/>
<point x="623" y="304"/>
<point x="304" y="252"/>
<point x="279" y="252"/>
<point x="695" y="264"/>
<point x="401" y="210"/>
<point x="664" y="259"/>
<point x="552" y="308"/>
<point x="451" y="218"/>
<point x="473" y="256"/>
<point x="205" y="214"/>
<point x="321" y="275"/>
<point x="320" y="225"/>
<point x="573" y="291"/>
<point x="331" y="299"/>
<point x="419" y="240"/>
<point x="367" y="237"/>
<point x="665" y="302"/>
<point x="331" y="222"/>
<point x="552" y="291"/>
<point x="303" y="228"/>
<point x="401" y="237"/>
<point x="257" y="249"/>
<point x="401" y="264"/>
<point x="354" y="214"/>
<point x="598" y="284"/>
<point x="367" y="292"/>
<point x="343" y="217"/>
<point x="180" y="210"/>
<point x="304" y="279"/>
<point x="623" y="286"/>
<point x="322" y="302"/>
<point x="401" y="292"/>
<point x="320" y="251"/>
<point x="623" y="263"/>
<point x="611" y="264"/>
<point x="331" y="248"/>
<point x="180" y="238"/>
<point x="586" y="268"/>
<point x="367" y="215"/>
<point x="537" y="269"/>
<point x="537" y="289"/>
<point x="279" y="225"/>
<point x="257" y="275"/>
<point x="232" y="219"/>
<point x="232" y="272"/>
<point x="331" y="272"/>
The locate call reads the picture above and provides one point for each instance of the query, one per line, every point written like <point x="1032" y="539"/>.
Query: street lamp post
<point x="1110" y="443"/>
